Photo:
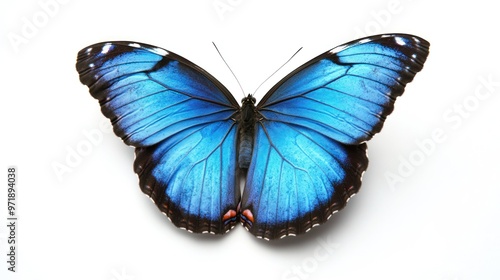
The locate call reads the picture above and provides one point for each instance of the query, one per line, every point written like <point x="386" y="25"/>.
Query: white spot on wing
<point x="106" y="48"/>
<point x="400" y="41"/>
<point x="159" y="51"/>
<point x="345" y="46"/>
<point x="338" y="49"/>
<point x="366" y="40"/>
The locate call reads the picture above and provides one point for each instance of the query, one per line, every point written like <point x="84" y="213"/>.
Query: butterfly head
<point x="248" y="99"/>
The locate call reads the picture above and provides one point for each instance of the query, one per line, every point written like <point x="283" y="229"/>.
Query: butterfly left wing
<point x="309" y="153"/>
<point x="181" y="121"/>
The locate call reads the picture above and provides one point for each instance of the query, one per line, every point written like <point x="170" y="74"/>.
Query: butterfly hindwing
<point x="192" y="177"/>
<point x="180" y="119"/>
<point x="309" y="152"/>
<point x="298" y="177"/>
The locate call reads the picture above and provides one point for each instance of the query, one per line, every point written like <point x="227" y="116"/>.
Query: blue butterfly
<point x="302" y="147"/>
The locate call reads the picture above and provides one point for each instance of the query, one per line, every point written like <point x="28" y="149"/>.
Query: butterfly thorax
<point x="246" y="131"/>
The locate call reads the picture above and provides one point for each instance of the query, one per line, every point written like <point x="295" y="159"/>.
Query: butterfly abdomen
<point x="246" y="131"/>
<point x="245" y="150"/>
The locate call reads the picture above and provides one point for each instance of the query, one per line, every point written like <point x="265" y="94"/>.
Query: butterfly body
<point x="248" y="118"/>
<point x="302" y="147"/>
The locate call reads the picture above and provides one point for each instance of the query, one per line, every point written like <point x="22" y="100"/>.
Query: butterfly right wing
<point x="180" y="119"/>
<point x="309" y="152"/>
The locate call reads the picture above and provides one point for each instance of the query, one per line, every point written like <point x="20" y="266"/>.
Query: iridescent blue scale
<point x="302" y="146"/>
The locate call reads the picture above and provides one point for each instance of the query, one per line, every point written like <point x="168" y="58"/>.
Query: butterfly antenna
<point x="229" y="69"/>
<point x="277" y="70"/>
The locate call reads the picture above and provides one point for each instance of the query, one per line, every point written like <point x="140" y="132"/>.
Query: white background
<point x="439" y="221"/>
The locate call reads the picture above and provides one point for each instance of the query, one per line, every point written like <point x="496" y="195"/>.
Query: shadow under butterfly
<point x="302" y="146"/>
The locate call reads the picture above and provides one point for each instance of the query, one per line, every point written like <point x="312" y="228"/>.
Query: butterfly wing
<point x="297" y="179"/>
<point x="309" y="153"/>
<point x="180" y="119"/>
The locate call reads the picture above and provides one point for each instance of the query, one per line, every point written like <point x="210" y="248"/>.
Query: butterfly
<point x="302" y="147"/>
